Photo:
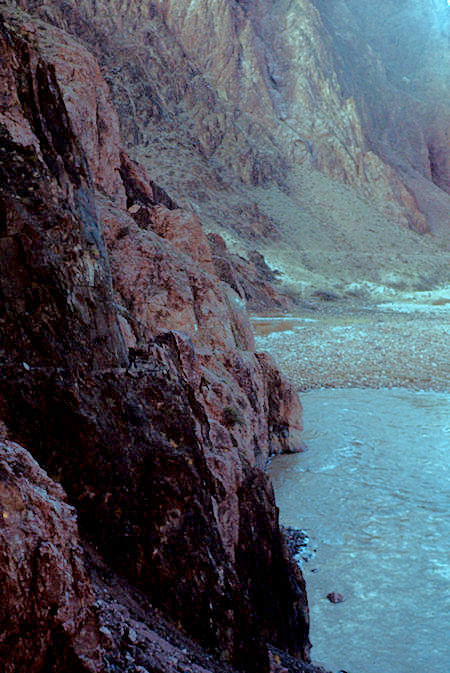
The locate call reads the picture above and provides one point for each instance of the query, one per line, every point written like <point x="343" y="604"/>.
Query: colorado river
<point x="372" y="491"/>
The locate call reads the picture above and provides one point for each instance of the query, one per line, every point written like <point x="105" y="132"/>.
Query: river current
<point x="372" y="491"/>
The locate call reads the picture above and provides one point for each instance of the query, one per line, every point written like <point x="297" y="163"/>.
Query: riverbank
<point x="370" y="492"/>
<point x="364" y="551"/>
<point x="356" y="346"/>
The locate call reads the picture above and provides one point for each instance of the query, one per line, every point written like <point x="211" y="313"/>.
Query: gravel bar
<point x="346" y="347"/>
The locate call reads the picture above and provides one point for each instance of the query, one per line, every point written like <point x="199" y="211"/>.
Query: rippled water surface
<point x="373" y="492"/>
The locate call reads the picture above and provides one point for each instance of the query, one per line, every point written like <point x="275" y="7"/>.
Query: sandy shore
<point x="361" y="346"/>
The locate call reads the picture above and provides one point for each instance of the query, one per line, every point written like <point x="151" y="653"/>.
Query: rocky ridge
<point x="127" y="370"/>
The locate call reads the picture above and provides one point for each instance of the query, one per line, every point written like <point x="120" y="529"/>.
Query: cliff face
<point x="127" y="366"/>
<point x="162" y="455"/>
<point x="290" y="128"/>
<point x="393" y="60"/>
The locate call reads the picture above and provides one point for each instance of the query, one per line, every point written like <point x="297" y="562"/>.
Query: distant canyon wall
<point x="393" y="58"/>
<point x="251" y="87"/>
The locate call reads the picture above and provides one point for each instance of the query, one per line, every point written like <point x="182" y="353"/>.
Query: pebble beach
<point x="347" y="346"/>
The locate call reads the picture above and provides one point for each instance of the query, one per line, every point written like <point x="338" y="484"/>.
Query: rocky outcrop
<point x="47" y="601"/>
<point x="49" y="221"/>
<point x="251" y="278"/>
<point x="291" y="107"/>
<point x="162" y="454"/>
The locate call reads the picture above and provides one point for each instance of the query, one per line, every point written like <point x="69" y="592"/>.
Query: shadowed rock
<point x="46" y="607"/>
<point x="165" y="485"/>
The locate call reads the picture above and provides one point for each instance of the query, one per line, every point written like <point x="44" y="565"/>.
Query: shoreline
<point x="350" y="346"/>
<point x="360" y="494"/>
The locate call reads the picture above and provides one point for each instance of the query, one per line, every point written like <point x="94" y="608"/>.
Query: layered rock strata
<point x="163" y="453"/>
<point x="291" y="128"/>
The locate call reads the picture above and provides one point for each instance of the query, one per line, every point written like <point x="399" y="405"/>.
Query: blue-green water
<point x="373" y="492"/>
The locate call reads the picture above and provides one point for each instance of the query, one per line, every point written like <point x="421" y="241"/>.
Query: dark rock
<point x="166" y="487"/>
<point x="296" y="540"/>
<point x="335" y="597"/>
<point x="326" y="295"/>
<point x="139" y="188"/>
<point x="46" y="607"/>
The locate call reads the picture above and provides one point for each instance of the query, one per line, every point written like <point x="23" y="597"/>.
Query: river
<point x="372" y="492"/>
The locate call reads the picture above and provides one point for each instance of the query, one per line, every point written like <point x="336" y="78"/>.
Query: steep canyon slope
<point x="128" y="372"/>
<point x="293" y="128"/>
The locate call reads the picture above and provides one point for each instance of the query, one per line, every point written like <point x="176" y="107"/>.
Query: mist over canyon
<point x="165" y="167"/>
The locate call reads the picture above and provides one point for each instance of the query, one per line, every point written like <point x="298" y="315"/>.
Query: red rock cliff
<point x="162" y="455"/>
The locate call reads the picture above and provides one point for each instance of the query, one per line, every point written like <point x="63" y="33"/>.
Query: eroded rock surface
<point x="235" y="107"/>
<point x="163" y="456"/>
<point x="46" y="610"/>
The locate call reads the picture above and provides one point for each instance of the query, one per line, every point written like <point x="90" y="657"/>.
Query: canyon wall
<point x="163" y="166"/>
<point x="263" y="117"/>
<point x="128" y="370"/>
<point x="393" y="60"/>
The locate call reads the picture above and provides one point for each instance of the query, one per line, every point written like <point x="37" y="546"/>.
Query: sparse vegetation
<point x="232" y="416"/>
